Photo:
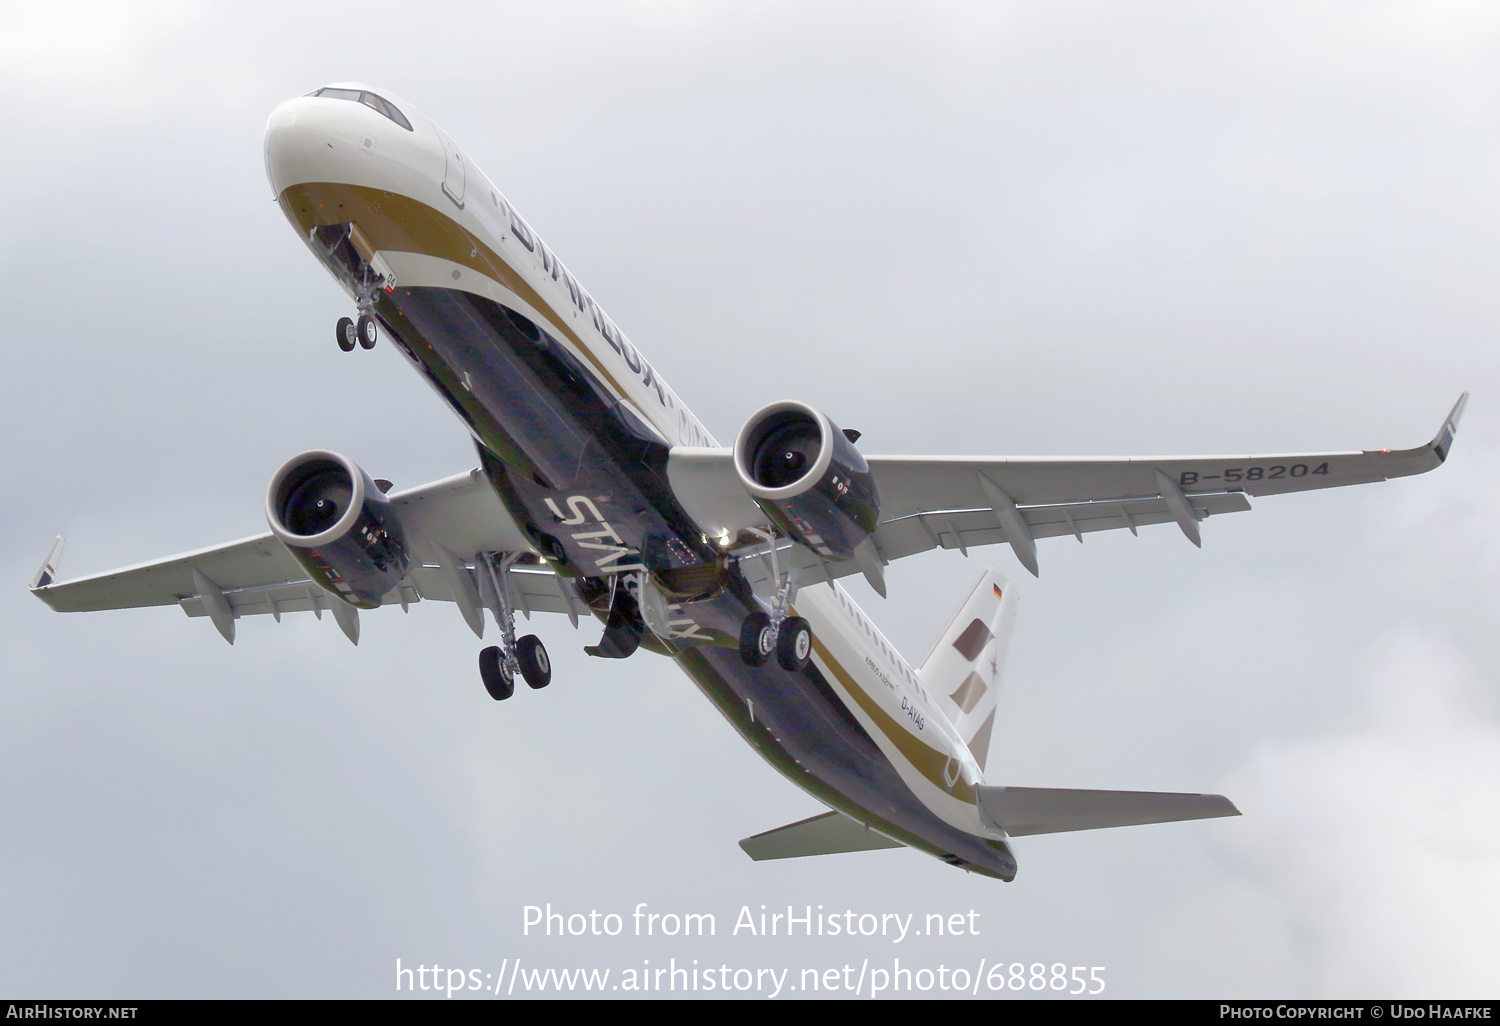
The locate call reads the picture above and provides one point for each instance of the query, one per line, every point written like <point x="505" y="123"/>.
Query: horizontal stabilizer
<point x="828" y="834"/>
<point x="1020" y="811"/>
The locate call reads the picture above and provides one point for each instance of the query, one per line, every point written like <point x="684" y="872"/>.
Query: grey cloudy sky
<point x="1027" y="228"/>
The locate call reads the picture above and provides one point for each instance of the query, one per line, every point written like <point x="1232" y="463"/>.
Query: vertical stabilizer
<point x="964" y="667"/>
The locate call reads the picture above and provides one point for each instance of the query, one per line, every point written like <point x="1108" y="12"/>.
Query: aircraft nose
<point x="294" y="134"/>
<point x="352" y="135"/>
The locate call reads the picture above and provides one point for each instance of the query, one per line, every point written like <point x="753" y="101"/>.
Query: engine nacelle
<point x="339" y="526"/>
<point x="808" y="478"/>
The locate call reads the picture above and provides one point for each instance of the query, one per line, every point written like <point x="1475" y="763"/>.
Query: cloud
<point x="79" y="45"/>
<point x="1386" y="840"/>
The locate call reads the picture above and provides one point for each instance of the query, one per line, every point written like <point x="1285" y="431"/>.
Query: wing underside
<point x="926" y="503"/>
<point x="257" y="575"/>
<point x="951" y="502"/>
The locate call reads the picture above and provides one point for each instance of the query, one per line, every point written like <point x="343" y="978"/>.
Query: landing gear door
<point x="455" y="171"/>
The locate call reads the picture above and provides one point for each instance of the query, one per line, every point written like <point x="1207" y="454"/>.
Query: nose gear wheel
<point x="366" y="331"/>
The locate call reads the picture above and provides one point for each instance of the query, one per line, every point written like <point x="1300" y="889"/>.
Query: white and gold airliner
<point x="599" y="494"/>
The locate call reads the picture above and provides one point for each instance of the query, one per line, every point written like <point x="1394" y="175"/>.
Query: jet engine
<point x="342" y="529"/>
<point x="806" y="475"/>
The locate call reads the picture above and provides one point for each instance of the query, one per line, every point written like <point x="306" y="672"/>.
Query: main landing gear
<point x="499" y="673"/>
<point x="362" y="332"/>
<point x="788" y="637"/>
<point x="791" y="642"/>
<point x="499" y="664"/>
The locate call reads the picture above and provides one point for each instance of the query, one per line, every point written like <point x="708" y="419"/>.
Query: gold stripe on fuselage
<point x="926" y="760"/>
<point x="396" y="223"/>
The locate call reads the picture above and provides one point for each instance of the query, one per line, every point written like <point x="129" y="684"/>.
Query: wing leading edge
<point x="447" y="522"/>
<point x="954" y="502"/>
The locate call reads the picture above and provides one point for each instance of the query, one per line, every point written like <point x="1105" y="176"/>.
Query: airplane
<point x="598" y="494"/>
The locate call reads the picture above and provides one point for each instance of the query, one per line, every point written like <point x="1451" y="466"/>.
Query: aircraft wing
<point x="953" y="502"/>
<point x="460" y="514"/>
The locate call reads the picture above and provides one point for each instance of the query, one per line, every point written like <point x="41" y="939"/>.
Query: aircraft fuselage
<point x="573" y="428"/>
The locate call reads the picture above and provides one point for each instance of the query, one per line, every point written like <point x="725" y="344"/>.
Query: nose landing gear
<point x="362" y="332"/>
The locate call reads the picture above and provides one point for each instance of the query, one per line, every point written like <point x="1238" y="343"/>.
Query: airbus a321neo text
<point x="598" y="494"/>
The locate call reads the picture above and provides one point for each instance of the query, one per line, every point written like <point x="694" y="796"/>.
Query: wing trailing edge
<point x="459" y="514"/>
<point x="959" y="502"/>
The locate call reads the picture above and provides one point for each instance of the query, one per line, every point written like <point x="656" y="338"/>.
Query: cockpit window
<point x="387" y="108"/>
<point x="369" y="99"/>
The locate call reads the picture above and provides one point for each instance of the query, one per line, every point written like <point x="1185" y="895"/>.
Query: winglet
<point x="47" y="572"/>
<point x="1444" y="439"/>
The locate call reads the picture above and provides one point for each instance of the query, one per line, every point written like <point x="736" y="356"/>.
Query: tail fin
<point x="963" y="669"/>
